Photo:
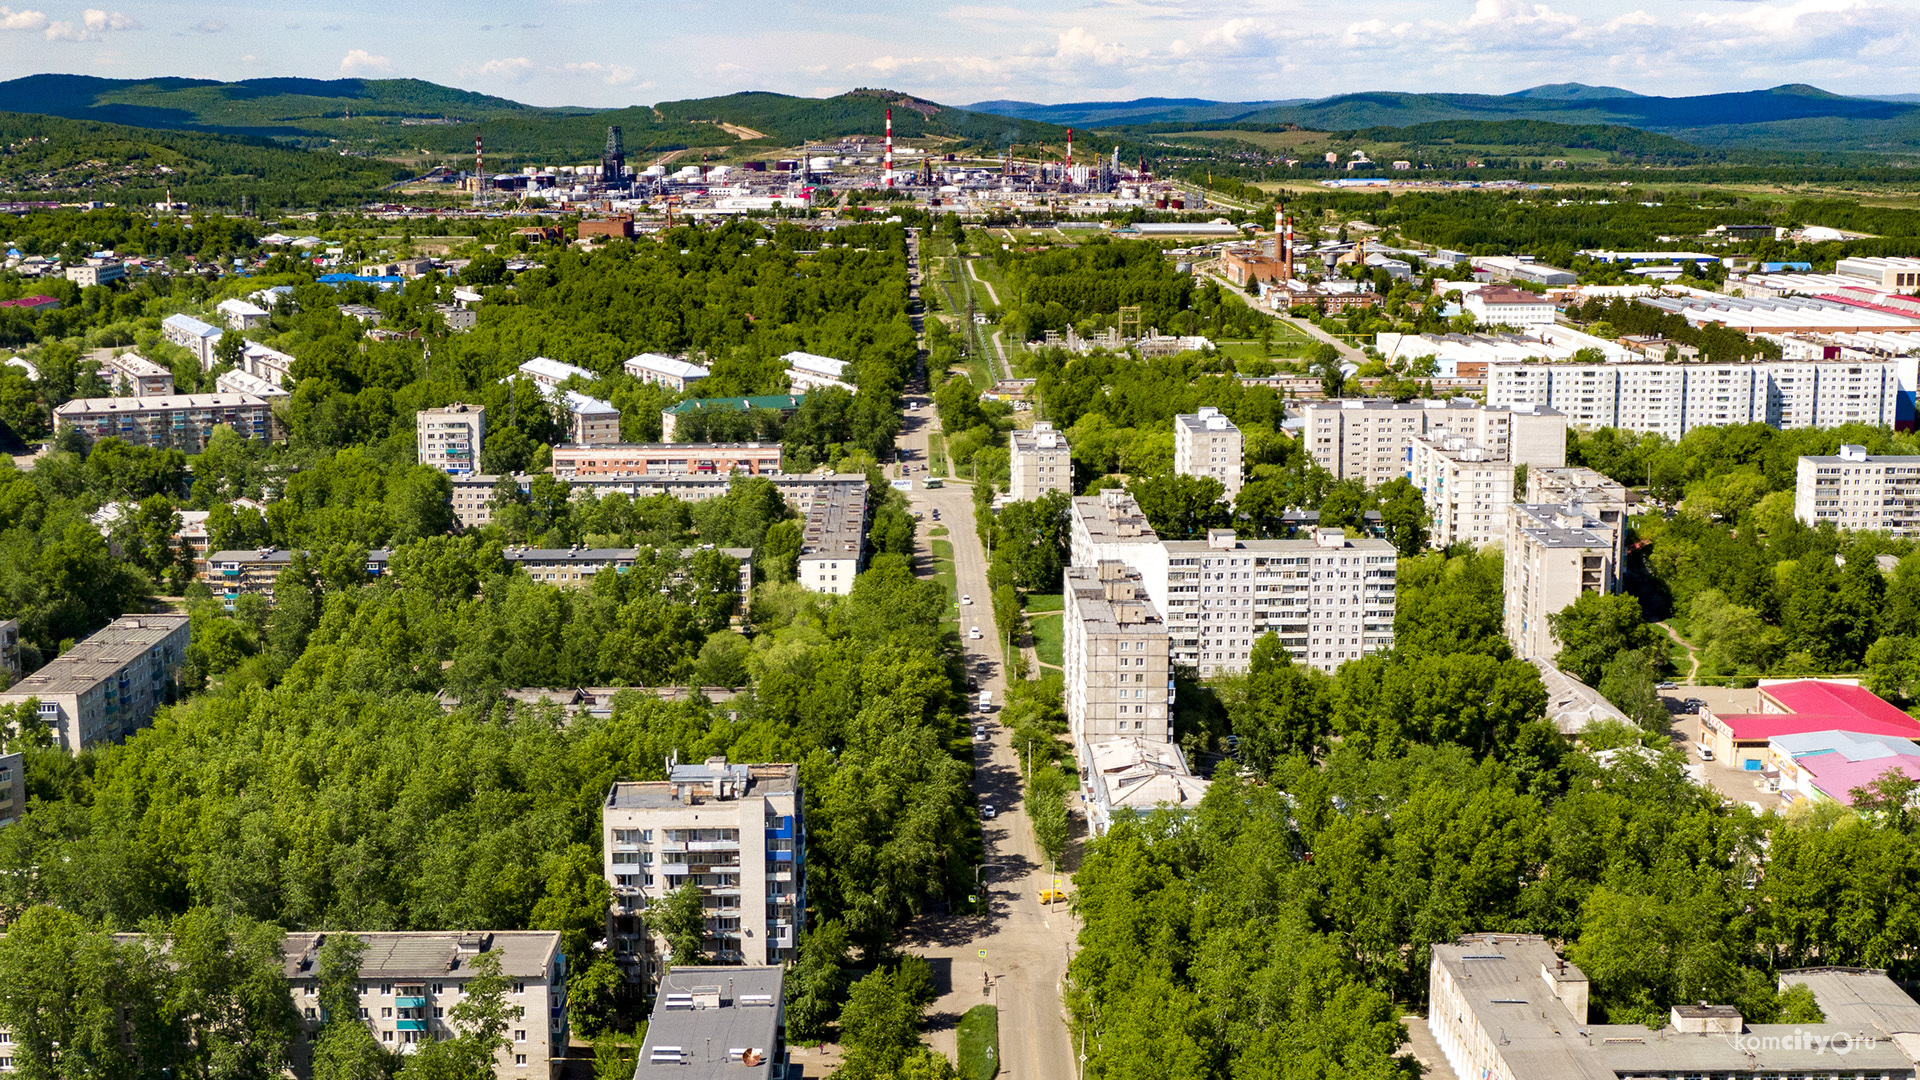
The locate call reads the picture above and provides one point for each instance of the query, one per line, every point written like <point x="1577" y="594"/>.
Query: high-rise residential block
<point x="1370" y="439"/>
<point x="449" y="438"/>
<point x="1673" y="399"/>
<point x="1109" y="525"/>
<point x="1554" y="554"/>
<point x="1040" y="462"/>
<point x="1466" y="487"/>
<point x="1118" y="680"/>
<point x="107" y="686"/>
<point x="735" y="832"/>
<point x="1595" y="495"/>
<point x="1857" y="490"/>
<point x="1208" y="444"/>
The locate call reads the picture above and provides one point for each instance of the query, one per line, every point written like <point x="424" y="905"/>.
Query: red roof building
<point x="33" y="303"/>
<point x="1794" y="708"/>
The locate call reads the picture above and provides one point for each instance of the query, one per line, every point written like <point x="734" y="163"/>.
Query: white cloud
<point x="22" y="20"/>
<point x="93" y="22"/>
<point x="514" y="68"/>
<point x="209" y="26"/>
<point x="361" y="62"/>
<point x="610" y="74"/>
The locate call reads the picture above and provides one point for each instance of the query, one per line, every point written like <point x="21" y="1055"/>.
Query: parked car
<point x="1668" y="686"/>
<point x="986" y="811"/>
<point x="1050" y="896"/>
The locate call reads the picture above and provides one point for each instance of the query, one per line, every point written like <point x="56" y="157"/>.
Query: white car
<point x="986" y="812"/>
<point x="974" y="633"/>
<point x="965" y="599"/>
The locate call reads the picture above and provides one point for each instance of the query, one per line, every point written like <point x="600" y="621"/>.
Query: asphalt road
<point x="1025" y="945"/>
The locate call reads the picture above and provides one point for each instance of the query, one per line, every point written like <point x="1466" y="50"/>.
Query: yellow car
<point x="1048" y="896"/>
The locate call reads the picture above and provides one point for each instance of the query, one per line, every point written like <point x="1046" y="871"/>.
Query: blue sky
<point x="599" y="53"/>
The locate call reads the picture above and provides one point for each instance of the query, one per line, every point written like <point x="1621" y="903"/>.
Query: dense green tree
<point x="1595" y="629"/>
<point x="1181" y="507"/>
<point x="680" y="918"/>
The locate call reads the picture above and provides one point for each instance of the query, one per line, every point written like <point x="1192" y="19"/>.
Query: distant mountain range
<point x="1796" y="116"/>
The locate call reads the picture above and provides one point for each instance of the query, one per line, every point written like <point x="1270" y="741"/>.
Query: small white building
<point x="809" y="371"/>
<point x="241" y="315"/>
<point x="1507" y="307"/>
<point x="665" y="371"/>
<point x="191" y="334"/>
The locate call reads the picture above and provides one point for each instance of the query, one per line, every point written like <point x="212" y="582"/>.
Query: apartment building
<point x="1208" y="444"/>
<point x="1499" y="305"/>
<point x="170" y="422"/>
<point x="833" y="540"/>
<point x="473" y="493"/>
<point x="665" y="459"/>
<point x="239" y="382"/>
<point x="1554" y="554"/>
<point x="737" y="832"/>
<point x="133" y="375"/>
<point x="1857" y="490"/>
<point x="784" y="404"/>
<point x="590" y="421"/>
<point x="808" y="371"/>
<point x="1673" y="399"/>
<point x="96" y="272"/>
<point x="1595" y="495"/>
<point x="1117" y="660"/>
<point x="1507" y="1005"/>
<point x="1467" y="489"/>
<point x="450" y="438"/>
<point x="718" y="1024"/>
<point x="261" y="362"/>
<point x="1040" y="462"/>
<point x="1370" y="439"/>
<point x="575" y="567"/>
<point x="241" y="314"/>
<point x="1109" y="525"/>
<point x="410" y="982"/>
<point x="1330" y="598"/>
<point x="665" y="371"/>
<point x="10" y="647"/>
<point x="107" y="686"/>
<point x="193" y="335"/>
<point x="549" y="374"/>
<point x="13" y="788"/>
<point x="255" y="571"/>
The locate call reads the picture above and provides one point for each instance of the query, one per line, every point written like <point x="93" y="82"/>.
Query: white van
<point x="986" y="700"/>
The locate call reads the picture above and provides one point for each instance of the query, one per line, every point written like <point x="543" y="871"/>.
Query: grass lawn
<point x="979" y="1042"/>
<point x="936" y="454"/>
<point x="1045" y="602"/>
<point x="937" y="530"/>
<point x="1049" y="642"/>
<point x="943" y="573"/>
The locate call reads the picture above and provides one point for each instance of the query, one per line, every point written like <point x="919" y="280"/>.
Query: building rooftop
<point x="1555" y="526"/>
<point x="814" y="362"/>
<point x="1495" y="295"/>
<point x="1112" y="599"/>
<point x="1207" y="419"/>
<point x="581" y="405"/>
<point x="542" y="369"/>
<point x="715" y="1023"/>
<point x="667" y="365"/>
<point x="99" y="656"/>
<point x="1323" y="539"/>
<point x="102" y="406"/>
<point x="1572" y="704"/>
<point x="1862" y="999"/>
<point x="431" y="954"/>
<point x="1141" y="775"/>
<point x="678" y="448"/>
<point x="1042" y="437"/>
<point x="132" y="363"/>
<point x="835" y="527"/>
<point x="1113" y="517"/>
<point x="709" y="781"/>
<point x="783" y="402"/>
<point x="191" y="325"/>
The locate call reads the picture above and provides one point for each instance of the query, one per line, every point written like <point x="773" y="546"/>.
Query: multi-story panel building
<point x="473" y="493"/>
<point x="239" y="382"/>
<point x="107" y="686"/>
<point x="1467" y="488"/>
<point x="133" y="375"/>
<point x="1595" y="495"/>
<point x="1857" y="490"/>
<point x="1109" y="525"/>
<point x="1039" y="461"/>
<point x="1118" y="679"/>
<point x="576" y="567"/>
<point x="784" y="404"/>
<point x="173" y="422"/>
<point x="665" y="371"/>
<point x="549" y="374"/>
<point x="1208" y="444"/>
<point x="10" y="647"/>
<point x="13" y="788"/>
<point x="1371" y="439"/>
<point x="665" y="459"/>
<point x="410" y="982"/>
<point x="96" y="272"/>
<point x="1330" y="599"/>
<point x="263" y="363"/>
<point x="590" y="421"/>
<point x="809" y="371"/>
<point x="254" y="571"/>
<point x="1553" y="555"/>
<point x="242" y="314"/>
<point x="1673" y="399"/>
<point x="833" y="541"/>
<point x="717" y="1024"/>
<point x="1500" y="305"/>
<point x="193" y="335"/>
<point x="449" y="439"/>
<point x="737" y="832"/>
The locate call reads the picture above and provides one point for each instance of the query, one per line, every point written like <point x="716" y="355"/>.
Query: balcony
<point x="410" y="1025"/>
<point x="410" y="1002"/>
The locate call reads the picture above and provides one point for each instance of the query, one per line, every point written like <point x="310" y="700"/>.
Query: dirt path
<point x="741" y="133"/>
<point x="1693" y="654"/>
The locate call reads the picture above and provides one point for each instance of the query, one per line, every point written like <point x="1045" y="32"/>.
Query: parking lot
<point x="1731" y="782"/>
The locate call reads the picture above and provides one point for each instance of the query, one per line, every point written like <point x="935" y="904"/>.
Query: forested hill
<point x="47" y="157"/>
<point x="252" y="106"/>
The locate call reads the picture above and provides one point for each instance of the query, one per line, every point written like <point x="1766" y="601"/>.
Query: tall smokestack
<point x="1287" y="260"/>
<point x="479" y="170"/>
<point x="1069" y="148"/>
<point x="889" y="165"/>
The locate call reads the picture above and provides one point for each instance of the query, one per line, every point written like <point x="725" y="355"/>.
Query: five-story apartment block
<point x="449" y="439"/>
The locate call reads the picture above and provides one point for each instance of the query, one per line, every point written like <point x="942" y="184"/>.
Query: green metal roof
<point x="785" y="402"/>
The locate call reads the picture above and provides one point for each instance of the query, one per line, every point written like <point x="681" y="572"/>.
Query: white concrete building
<point x="449" y="439"/>
<point x="1857" y="490"/>
<point x="239" y="382"/>
<point x="1330" y="599"/>
<point x="107" y="686"/>
<point x="832" y="540"/>
<point x="1672" y="399"/>
<point x="410" y="982"/>
<point x="549" y="374"/>
<point x="808" y="371"/>
<point x="1208" y="444"/>
<point x="1118" y="681"/>
<point x="1467" y="489"/>
<point x="1040" y="462"/>
<point x="1109" y="525"/>
<point x="1497" y="306"/>
<point x="590" y="421"/>
<point x="1370" y="439"/>
<point x="1553" y="555"/>
<point x="262" y="362"/>
<point x="737" y="832"/>
<point x="1900" y="275"/>
<point x="1595" y="495"/>
<point x="241" y="315"/>
<point x="191" y="334"/>
<point x="1128" y="775"/>
<point x="133" y="375"/>
<point x="665" y="371"/>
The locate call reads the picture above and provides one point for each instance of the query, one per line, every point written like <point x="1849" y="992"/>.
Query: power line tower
<point x="479" y="175"/>
<point x="613" y="163"/>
